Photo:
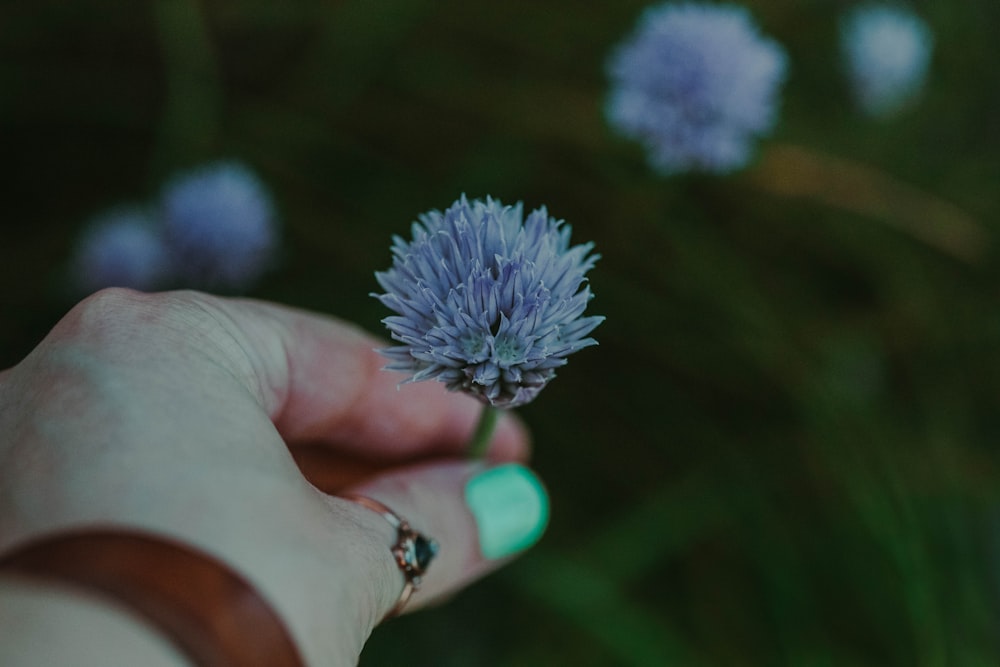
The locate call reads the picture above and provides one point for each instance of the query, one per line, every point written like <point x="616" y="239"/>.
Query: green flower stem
<point x="484" y="431"/>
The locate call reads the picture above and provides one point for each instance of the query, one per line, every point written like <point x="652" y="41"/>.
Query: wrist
<point x="210" y="613"/>
<point x="46" y="623"/>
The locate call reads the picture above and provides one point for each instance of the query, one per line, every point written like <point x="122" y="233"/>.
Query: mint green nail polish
<point x="511" y="509"/>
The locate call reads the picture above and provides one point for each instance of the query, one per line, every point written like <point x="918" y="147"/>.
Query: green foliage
<point x="784" y="451"/>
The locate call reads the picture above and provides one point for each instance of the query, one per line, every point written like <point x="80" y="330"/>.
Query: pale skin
<point x="174" y="413"/>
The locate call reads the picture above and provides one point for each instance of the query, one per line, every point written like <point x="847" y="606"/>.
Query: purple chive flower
<point x="487" y="301"/>
<point x="220" y="224"/>
<point x="887" y="51"/>
<point x="696" y="84"/>
<point x="122" y="248"/>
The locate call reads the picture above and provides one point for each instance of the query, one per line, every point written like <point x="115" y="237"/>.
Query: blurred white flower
<point x="696" y="83"/>
<point x="121" y="248"/>
<point x="220" y="225"/>
<point x="887" y="51"/>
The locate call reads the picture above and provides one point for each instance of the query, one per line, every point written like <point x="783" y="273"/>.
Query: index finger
<point x="321" y="381"/>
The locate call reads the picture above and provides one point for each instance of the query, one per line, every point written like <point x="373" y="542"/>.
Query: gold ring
<point x="413" y="552"/>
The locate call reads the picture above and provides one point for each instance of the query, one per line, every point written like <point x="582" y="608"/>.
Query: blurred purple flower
<point x="122" y="248"/>
<point x="220" y="224"/>
<point x="887" y="51"/>
<point x="488" y="302"/>
<point x="695" y="83"/>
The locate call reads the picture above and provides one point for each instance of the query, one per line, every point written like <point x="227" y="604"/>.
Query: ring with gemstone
<point x="412" y="551"/>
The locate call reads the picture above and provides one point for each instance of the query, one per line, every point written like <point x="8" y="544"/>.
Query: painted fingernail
<point x="511" y="509"/>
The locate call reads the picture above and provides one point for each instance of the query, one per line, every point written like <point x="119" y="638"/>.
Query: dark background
<point x="784" y="450"/>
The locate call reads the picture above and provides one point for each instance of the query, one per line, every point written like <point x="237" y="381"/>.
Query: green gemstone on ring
<point x="424" y="550"/>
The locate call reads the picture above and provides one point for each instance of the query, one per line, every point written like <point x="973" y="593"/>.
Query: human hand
<point x="175" y="413"/>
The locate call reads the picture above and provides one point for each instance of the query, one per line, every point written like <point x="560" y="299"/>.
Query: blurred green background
<point x="784" y="450"/>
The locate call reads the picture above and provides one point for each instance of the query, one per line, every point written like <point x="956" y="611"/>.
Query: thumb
<point x="478" y="516"/>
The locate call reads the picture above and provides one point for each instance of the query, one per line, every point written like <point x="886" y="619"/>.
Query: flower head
<point x="487" y="301"/>
<point x="887" y="51"/>
<point x="121" y="248"/>
<point x="220" y="224"/>
<point x="695" y="83"/>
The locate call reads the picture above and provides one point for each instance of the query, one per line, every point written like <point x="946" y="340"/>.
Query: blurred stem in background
<point x="794" y="171"/>
<point x="631" y="633"/>
<point x="189" y="126"/>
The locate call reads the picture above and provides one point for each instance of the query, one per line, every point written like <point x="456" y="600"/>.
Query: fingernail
<point x="511" y="509"/>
